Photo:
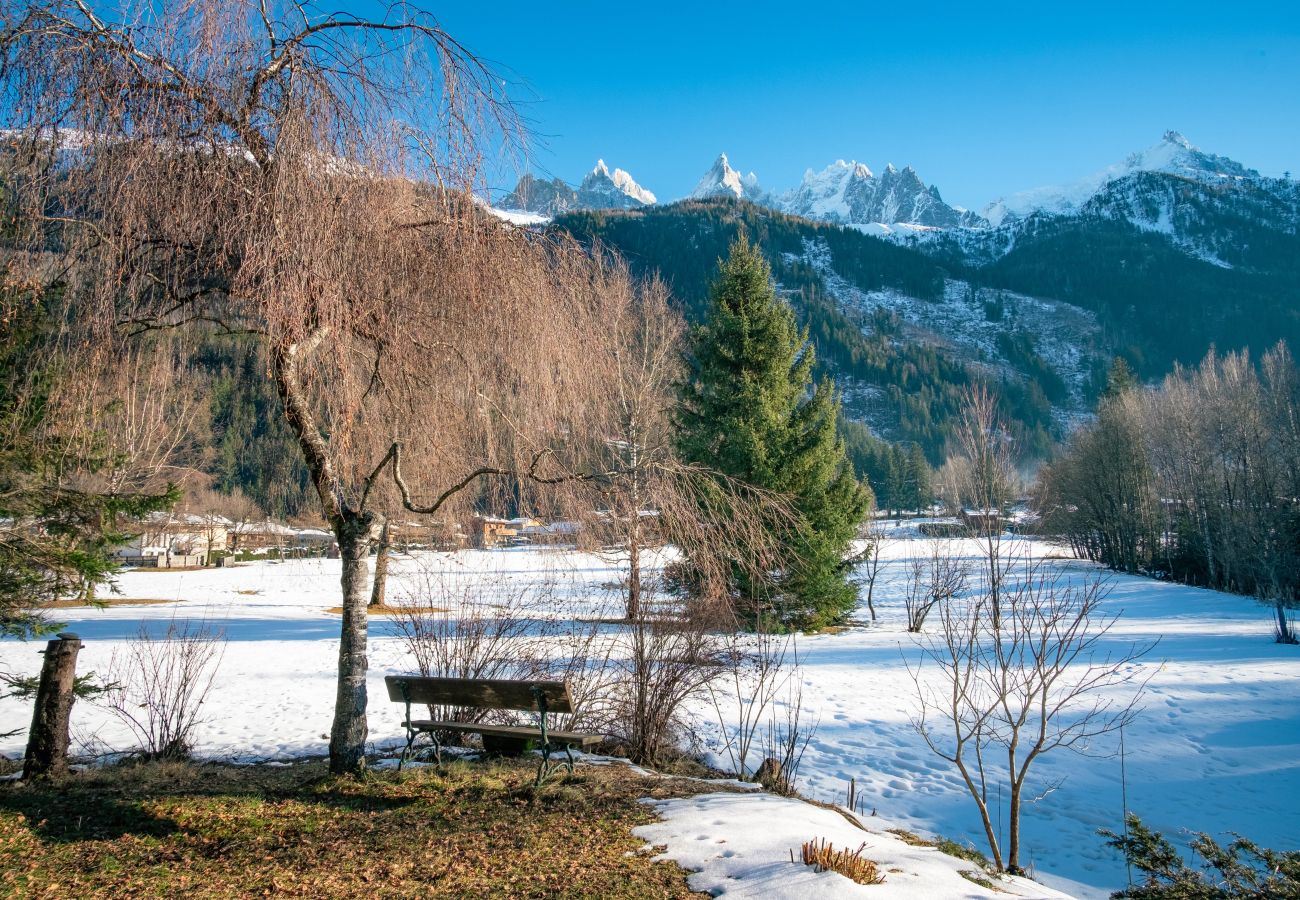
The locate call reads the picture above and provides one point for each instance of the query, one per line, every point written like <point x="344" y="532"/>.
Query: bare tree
<point x="871" y="555"/>
<point x="933" y="582"/>
<point x="300" y="178"/>
<point x="985" y="478"/>
<point x="1004" y="694"/>
<point x="1196" y="478"/>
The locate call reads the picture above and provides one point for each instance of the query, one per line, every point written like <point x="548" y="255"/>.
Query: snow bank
<point x="740" y="845"/>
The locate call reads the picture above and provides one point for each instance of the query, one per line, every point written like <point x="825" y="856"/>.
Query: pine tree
<point x="751" y="411"/>
<point x="1119" y="379"/>
<point x="920" y="493"/>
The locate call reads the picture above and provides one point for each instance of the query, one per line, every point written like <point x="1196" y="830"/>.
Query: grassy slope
<point x="476" y="829"/>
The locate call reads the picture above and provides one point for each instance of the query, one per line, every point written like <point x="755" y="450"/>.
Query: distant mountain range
<point x="1158" y="259"/>
<point x="600" y="189"/>
<point x="895" y="201"/>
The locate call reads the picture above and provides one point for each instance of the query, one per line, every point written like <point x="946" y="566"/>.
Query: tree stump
<point x="769" y="775"/>
<point x="47" y="743"/>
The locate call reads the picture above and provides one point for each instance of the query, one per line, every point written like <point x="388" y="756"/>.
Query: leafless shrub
<point x="933" y="582"/>
<point x="1013" y="686"/>
<point x="788" y="735"/>
<point x="662" y="661"/>
<point x="159" y="685"/>
<point x="756" y="668"/>
<point x="484" y="629"/>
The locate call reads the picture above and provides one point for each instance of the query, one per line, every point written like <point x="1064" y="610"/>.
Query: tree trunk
<point x="1013" y="832"/>
<point x="47" y="743"/>
<point x="634" y="572"/>
<point x="1285" y="632"/>
<point x="348" y="733"/>
<point x="378" y="590"/>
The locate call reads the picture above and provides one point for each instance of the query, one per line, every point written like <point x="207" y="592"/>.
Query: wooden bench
<point x="542" y="697"/>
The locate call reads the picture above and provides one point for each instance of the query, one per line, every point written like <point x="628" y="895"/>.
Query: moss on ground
<point x="210" y="830"/>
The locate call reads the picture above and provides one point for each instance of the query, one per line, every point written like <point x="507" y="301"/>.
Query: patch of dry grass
<point x="208" y="830"/>
<point x="823" y="857"/>
<point x="108" y="601"/>
<point x="384" y="609"/>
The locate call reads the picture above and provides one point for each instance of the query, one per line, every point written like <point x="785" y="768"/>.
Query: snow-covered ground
<point x="1217" y="746"/>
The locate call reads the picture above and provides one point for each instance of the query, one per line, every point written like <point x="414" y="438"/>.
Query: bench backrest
<point x="479" y="693"/>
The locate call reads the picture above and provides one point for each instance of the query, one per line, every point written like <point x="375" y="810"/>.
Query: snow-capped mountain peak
<point x="600" y="189"/>
<point x="721" y="180"/>
<point x="847" y="193"/>
<point x="617" y="189"/>
<point x="1173" y="155"/>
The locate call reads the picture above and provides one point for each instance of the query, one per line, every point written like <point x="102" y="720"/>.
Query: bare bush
<point x="788" y="735"/>
<point x="479" y="630"/>
<point x="158" y="685"/>
<point x="932" y="582"/>
<point x="1014" y="686"/>
<point x="757" y="667"/>
<point x="662" y="662"/>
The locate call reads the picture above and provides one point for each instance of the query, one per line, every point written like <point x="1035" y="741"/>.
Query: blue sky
<point x="982" y="102"/>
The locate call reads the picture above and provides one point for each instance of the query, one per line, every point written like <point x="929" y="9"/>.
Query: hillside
<point x="901" y="333"/>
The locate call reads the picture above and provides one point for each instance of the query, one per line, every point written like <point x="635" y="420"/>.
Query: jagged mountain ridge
<point x="848" y="193"/>
<point x="600" y="189"/>
<point x="842" y="194"/>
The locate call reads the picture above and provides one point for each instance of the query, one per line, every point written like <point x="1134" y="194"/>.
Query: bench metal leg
<point x="406" y="751"/>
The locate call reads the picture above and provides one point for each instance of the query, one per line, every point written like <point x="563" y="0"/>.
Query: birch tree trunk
<point x="348" y="733"/>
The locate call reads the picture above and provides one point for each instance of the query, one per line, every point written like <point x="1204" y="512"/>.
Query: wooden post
<point x="47" y="743"/>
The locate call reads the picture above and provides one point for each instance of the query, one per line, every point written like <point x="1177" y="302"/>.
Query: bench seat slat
<point x="478" y="693"/>
<point x="510" y="731"/>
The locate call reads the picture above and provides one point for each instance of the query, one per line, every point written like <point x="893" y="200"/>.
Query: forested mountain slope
<point x="902" y="333"/>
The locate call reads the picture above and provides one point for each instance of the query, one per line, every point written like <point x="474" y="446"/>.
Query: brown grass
<point x="209" y="831"/>
<point x="111" y="601"/>
<point x="823" y="857"/>
<point x="386" y="610"/>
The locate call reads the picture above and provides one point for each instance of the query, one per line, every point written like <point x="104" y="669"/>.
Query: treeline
<point x="899" y="475"/>
<point x="1197" y="479"/>
<point x="922" y="385"/>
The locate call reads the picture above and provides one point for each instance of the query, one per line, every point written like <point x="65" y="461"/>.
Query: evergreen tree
<point x="920" y="492"/>
<point x="1119" y="379"/>
<point x="751" y="411"/>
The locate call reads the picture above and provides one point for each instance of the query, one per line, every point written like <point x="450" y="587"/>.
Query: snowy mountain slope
<point x="1174" y="155"/>
<point x="848" y="193"/>
<point x="1223" y="222"/>
<point x="721" y="180"/>
<point x="990" y="330"/>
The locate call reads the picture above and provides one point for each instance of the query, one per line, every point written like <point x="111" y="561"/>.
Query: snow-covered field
<point x="1217" y="746"/>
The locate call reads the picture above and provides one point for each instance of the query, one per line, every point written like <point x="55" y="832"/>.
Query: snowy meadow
<point x="1215" y="747"/>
